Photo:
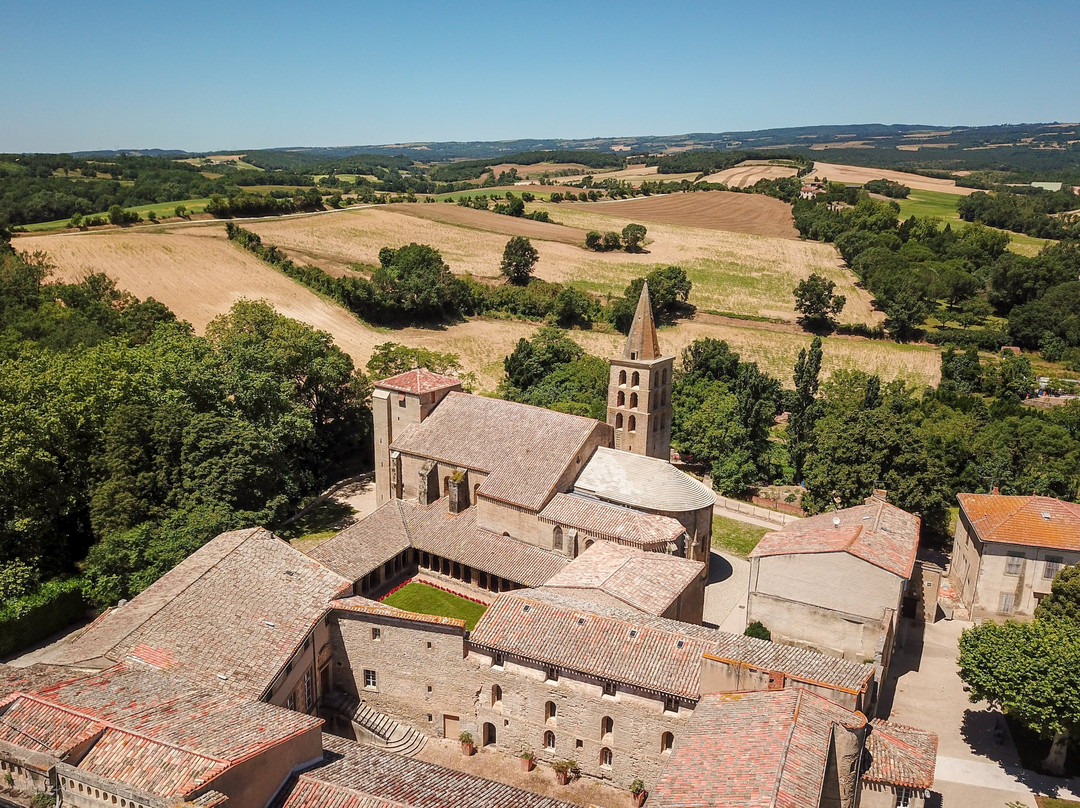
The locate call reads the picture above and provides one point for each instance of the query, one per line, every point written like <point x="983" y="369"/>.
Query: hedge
<point x="984" y="340"/>
<point x="25" y="620"/>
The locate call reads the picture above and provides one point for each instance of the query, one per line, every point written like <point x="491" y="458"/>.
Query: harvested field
<point x="844" y="173"/>
<point x="713" y="210"/>
<point x="541" y="168"/>
<point x="490" y="222"/>
<point x="746" y="174"/>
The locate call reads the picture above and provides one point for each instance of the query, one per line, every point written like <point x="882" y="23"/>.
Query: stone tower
<point x="639" y="393"/>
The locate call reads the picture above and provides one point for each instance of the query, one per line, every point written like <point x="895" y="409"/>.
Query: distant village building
<point x="1007" y="550"/>
<point x="870" y="547"/>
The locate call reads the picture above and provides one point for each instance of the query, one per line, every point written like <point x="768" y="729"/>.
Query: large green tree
<point x="519" y="258"/>
<point x="804" y="410"/>
<point x="816" y="300"/>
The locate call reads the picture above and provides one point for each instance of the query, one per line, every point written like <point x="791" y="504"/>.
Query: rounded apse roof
<point x="641" y="482"/>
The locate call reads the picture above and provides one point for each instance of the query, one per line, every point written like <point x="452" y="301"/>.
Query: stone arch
<point x="605" y="758"/>
<point x="549" y="740"/>
<point x="489" y="734"/>
<point x="607" y="726"/>
<point x="620" y="399"/>
<point x="666" y="742"/>
<point x="635" y="380"/>
<point x="631" y="423"/>
<point x="622" y="377"/>
<point x="633" y="401"/>
<point x="618" y="419"/>
<point x="550" y="712"/>
<point x="496" y="695"/>
<point x="557" y="538"/>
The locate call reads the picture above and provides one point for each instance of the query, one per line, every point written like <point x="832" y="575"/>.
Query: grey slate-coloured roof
<point x="639" y="649"/>
<point x="641" y="482"/>
<point x="523" y="449"/>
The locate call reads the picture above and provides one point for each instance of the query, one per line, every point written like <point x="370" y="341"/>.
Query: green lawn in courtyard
<point x="424" y="599"/>
<point x="734" y="536"/>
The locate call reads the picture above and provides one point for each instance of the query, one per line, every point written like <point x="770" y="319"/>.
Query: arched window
<point x="631" y="423"/>
<point x="635" y="380"/>
<point x="556" y="538"/>
<point x="588" y="543"/>
<point x="549" y="712"/>
<point x="620" y="399"/>
<point x="622" y="377"/>
<point x="618" y="419"/>
<point x="496" y="696"/>
<point x="633" y="401"/>
<point x="606" y="727"/>
<point x="549" y="740"/>
<point x="489" y="734"/>
<point x="666" y="740"/>
<point x="446" y="485"/>
<point x="605" y="758"/>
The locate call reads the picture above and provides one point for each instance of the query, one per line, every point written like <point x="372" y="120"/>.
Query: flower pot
<point x="527" y="764"/>
<point x="562" y="777"/>
<point x="468" y="749"/>
<point x="639" y="798"/>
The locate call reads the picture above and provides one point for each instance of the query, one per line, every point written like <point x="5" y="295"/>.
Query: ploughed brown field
<point x="490" y="222"/>
<point x="746" y="174"/>
<point x="712" y="210"/>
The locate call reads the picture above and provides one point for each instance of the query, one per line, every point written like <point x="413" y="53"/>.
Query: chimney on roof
<point x="995" y="490"/>
<point x="881" y="494"/>
<point x="458" y="491"/>
<point x="641" y="342"/>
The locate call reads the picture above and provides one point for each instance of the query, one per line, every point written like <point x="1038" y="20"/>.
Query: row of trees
<point x="632" y="239"/>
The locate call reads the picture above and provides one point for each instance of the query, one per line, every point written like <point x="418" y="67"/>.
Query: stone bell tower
<point x="639" y="392"/>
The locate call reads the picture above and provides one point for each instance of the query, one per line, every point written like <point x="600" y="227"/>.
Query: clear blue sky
<point x="230" y="75"/>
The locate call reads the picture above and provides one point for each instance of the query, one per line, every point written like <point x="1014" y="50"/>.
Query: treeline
<point x="316" y="162"/>
<point x="474" y="169"/>
<point x="1030" y="212"/>
<point x="709" y="161"/>
<point x="129" y="441"/>
<point x="245" y="203"/>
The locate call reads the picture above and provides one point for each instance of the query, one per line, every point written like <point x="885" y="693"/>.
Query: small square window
<point x="610" y="688"/>
<point x="552" y="675"/>
<point x="1013" y="563"/>
<point x="498" y="660"/>
<point x="369" y="679"/>
<point x="429" y="688"/>
<point x="671" y="705"/>
<point x="376" y="633"/>
<point x="1007" y="602"/>
<point x="429" y="644"/>
<point x="429" y="717"/>
<point x="1053" y="566"/>
<point x="579" y="744"/>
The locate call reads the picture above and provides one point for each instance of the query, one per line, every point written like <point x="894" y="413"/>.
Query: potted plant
<point x="468" y="747"/>
<point x="563" y="768"/>
<point x="637" y="790"/>
<point x="528" y="760"/>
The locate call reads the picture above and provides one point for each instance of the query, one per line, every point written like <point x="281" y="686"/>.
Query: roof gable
<point x="418" y="381"/>
<point x="1030" y="521"/>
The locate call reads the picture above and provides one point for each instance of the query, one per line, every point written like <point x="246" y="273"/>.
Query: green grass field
<point x="736" y="537"/>
<point x="161" y="209"/>
<point x="424" y="599"/>
<point x="924" y="204"/>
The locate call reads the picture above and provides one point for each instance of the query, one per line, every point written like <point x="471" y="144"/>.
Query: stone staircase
<point x="376" y="729"/>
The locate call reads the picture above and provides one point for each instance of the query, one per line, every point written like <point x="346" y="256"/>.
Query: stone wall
<point x="803" y="625"/>
<point x="1016" y="571"/>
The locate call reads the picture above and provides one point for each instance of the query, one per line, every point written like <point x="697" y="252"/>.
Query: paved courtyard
<point x="977" y="763"/>
<point x="725" y="594"/>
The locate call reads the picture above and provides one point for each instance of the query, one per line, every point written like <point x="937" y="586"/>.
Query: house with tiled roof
<point x="133" y="735"/>
<point x="870" y="547"/>
<point x="901" y="767"/>
<point x="1007" y="550"/>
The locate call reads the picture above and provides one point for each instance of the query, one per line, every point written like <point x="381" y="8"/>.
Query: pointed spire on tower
<point x="642" y="342"/>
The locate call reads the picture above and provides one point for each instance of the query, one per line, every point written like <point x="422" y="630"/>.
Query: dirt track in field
<point x="746" y="174"/>
<point x="712" y="210"/>
<point x="843" y="173"/>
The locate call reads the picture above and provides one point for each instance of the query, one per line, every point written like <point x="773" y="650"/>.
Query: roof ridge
<point x="775" y="796"/>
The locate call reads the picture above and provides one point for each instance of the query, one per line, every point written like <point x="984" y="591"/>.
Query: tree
<point x="1032" y="672"/>
<point x="573" y="307"/>
<point x="633" y="237"/>
<point x="519" y="258"/>
<point x="593" y="239"/>
<point x="180" y="211"/>
<point x="815" y="298"/>
<point x="535" y="358"/>
<point x="1063" y="602"/>
<point x="804" y="409"/>
<point x="414" y="280"/>
<point x="611" y="241"/>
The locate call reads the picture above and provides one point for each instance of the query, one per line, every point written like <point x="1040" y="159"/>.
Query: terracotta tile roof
<point x="148" y="730"/>
<point x="370" y="543"/>
<point x="753" y="750"/>
<point x="33" y="677"/>
<point x="268" y="594"/>
<point x="641" y="482"/>
<point x="524" y="450"/>
<point x="901" y="756"/>
<point x="650" y="582"/>
<point x="1021" y="520"/>
<point x="352" y="773"/>
<point x="149" y="765"/>
<point x="617" y="524"/>
<point x="360" y="605"/>
<point x="876" y="532"/>
<point x="639" y="649"/>
<point x="420" y="380"/>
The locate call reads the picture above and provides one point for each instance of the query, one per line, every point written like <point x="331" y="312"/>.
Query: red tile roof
<point x="901" y="756"/>
<point x="753" y="750"/>
<point x="357" y="776"/>
<point x="524" y="450"/>
<point x="418" y="381"/>
<point x="876" y="532"/>
<point x="366" y="545"/>
<point x="638" y="649"/>
<point x="148" y="765"/>
<point x="617" y="524"/>
<point x="1029" y="521"/>
<point x="647" y="581"/>
<point x="269" y="594"/>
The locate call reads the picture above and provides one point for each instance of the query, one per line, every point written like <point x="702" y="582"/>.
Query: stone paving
<point x="977" y="761"/>
<point x="725" y="594"/>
